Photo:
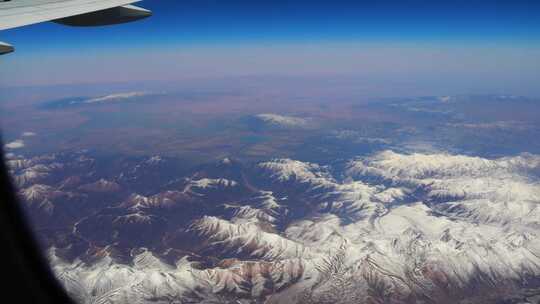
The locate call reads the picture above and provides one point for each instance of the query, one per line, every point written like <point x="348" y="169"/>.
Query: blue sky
<point x="257" y="37"/>
<point x="204" y="21"/>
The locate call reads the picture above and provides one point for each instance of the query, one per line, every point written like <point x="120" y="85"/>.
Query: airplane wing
<point x="16" y="13"/>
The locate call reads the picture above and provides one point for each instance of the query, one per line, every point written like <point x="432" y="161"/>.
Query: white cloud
<point x="282" y="120"/>
<point x="497" y="125"/>
<point x="117" y="97"/>
<point x="358" y="137"/>
<point x="16" y="144"/>
<point x="29" y="134"/>
<point x="445" y="98"/>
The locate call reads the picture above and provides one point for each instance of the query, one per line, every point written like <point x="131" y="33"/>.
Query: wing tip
<point x="6" y="48"/>
<point x="114" y="15"/>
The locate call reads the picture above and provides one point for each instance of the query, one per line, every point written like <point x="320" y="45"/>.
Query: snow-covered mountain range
<point x="385" y="228"/>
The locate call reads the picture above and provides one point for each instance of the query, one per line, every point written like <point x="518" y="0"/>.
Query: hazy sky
<point x="463" y="45"/>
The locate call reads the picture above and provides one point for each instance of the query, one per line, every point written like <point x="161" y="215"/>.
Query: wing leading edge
<point x="17" y="13"/>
